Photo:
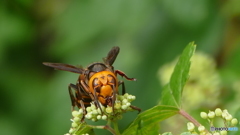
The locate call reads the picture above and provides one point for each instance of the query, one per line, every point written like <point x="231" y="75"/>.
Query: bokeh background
<point x="34" y="98"/>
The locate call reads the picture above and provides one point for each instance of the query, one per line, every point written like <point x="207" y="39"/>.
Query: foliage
<point x="149" y="33"/>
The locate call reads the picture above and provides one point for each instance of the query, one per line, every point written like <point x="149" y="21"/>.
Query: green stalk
<point x="107" y="127"/>
<point x="190" y="118"/>
<point x="115" y="127"/>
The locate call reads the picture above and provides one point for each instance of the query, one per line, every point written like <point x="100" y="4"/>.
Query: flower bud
<point x="125" y="95"/>
<point x="88" y="116"/>
<point x="99" y="111"/>
<point x="71" y="130"/>
<point x="234" y="122"/>
<point x="109" y="109"/>
<point x="80" y="111"/>
<point x="89" y="109"/>
<point x="75" y="113"/>
<point x="94" y="119"/>
<point x="117" y="106"/>
<point x="218" y="112"/>
<point x="228" y="117"/>
<point x="202" y="133"/>
<point x="74" y="125"/>
<point x="225" y="111"/>
<point x="99" y="117"/>
<point x="120" y="97"/>
<point x="93" y="107"/>
<point x="133" y="97"/>
<point x="95" y="112"/>
<point x="203" y="115"/>
<point x="201" y="128"/>
<point x="190" y="126"/>
<point x="125" y="101"/>
<point x="124" y="107"/>
<point x="224" y="115"/>
<point x="76" y="119"/>
<point x="211" y="114"/>
<point x="128" y="104"/>
<point x="223" y="132"/>
<point x="104" y="117"/>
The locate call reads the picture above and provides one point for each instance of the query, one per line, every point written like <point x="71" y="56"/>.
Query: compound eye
<point x="111" y="79"/>
<point x="95" y="82"/>
<point x="90" y="74"/>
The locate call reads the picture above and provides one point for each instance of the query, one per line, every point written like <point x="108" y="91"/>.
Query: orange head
<point x="104" y="85"/>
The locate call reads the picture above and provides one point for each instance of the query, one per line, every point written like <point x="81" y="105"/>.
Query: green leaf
<point x="83" y="128"/>
<point x="172" y="92"/>
<point x="147" y="123"/>
<point x="167" y="98"/>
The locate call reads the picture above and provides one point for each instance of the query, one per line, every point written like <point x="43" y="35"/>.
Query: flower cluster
<point x="122" y="105"/>
<point x="227" y="118"/>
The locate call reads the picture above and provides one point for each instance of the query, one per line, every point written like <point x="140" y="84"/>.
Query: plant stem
<point x="104" y="127"/>
<point x="110" y="129"/>
<point x="115" y="126"/>
<point x="189" y="117"/>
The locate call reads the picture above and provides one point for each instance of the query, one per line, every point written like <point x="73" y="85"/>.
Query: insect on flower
<point x="97" y="83"/>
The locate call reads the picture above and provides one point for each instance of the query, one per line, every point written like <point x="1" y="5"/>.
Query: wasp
<point x="97" y="83"/>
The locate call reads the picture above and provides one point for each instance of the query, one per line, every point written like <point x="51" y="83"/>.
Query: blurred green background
<point x="34" y="98"/>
